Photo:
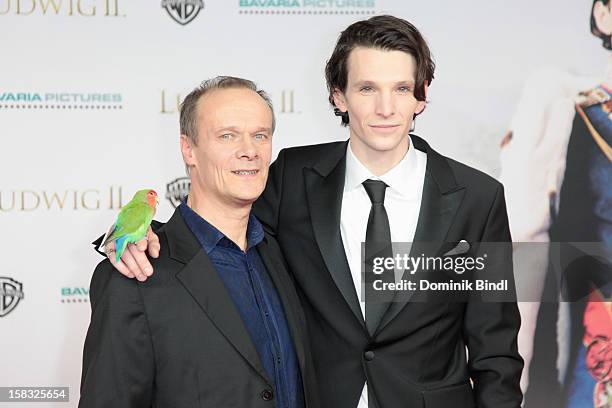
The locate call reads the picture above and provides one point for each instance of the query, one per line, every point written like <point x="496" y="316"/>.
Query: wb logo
<point x="177" y="190"/>
<point x="10" y="294"/>
<point x="183" y="11"/>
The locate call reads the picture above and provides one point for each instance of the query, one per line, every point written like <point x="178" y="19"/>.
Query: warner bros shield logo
<point x="183" y="11"/>
<point x="10" y="294"/>
<point x="177" y="190"/>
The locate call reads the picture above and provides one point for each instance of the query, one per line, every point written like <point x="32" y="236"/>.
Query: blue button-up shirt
<point x="257" y="301"/>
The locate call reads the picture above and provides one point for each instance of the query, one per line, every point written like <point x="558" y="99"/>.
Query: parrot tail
<point x="120" y="245"/>
<point x="109" y="236"/>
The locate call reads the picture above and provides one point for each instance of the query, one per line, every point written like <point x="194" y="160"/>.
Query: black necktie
<point x="377" y="244"/>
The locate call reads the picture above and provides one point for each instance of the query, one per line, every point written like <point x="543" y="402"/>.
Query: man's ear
<point x="422" y="104"/>
<point x="187" y="151"/>
<point x="603" y="17"/>
<point x="340" y="100"/>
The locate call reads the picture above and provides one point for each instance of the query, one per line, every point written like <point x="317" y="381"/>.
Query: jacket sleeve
<point x="492" y="322"/>
<point x="267" y="207"/>
<point x="118" y="360"/>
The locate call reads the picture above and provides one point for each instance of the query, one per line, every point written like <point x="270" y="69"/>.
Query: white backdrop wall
<point x="88" y="115"/>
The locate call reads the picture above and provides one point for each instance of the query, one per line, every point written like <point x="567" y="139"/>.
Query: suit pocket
<point x="457" y="396"/>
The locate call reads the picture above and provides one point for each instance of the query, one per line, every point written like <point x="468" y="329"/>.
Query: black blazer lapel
<point x="201" y="280"/>
<point x="324" y="186"/>
<point x="441" y="199"/>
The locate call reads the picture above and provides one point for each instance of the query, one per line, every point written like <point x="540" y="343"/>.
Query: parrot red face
<point x="152" y="198"/>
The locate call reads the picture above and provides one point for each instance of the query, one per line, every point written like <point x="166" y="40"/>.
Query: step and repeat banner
<point x="89" y="95"/>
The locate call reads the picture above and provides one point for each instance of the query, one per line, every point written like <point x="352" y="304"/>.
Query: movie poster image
<point x="557" y="169"/>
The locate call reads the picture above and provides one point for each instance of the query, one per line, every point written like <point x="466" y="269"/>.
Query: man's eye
<point x="226" y="136"/>
<point x="366" y="89"/>
<point x="404" y="89"/>
<point x="261" y="136"/>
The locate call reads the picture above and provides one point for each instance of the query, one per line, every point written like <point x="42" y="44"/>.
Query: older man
<point x="220" y="324"/>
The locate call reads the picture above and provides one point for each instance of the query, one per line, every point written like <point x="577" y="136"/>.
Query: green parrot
<point x="133" y="221"/>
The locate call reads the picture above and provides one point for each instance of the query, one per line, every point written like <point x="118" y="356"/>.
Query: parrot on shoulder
<point x="133" y="221"/>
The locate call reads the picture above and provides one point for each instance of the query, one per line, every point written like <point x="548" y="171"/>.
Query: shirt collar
<point x="209" y="236"/>
<point x="400" y="178"/>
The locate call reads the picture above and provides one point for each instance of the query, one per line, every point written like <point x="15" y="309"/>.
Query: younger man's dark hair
<point x="382" y="32"/>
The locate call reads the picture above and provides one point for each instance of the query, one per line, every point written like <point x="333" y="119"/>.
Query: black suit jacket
<point x="417" y="357"/>
<point x="177" y="339"/>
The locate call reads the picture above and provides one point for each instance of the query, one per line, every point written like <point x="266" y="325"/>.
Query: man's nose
<point x="248" y="148"/>
<point x="385" y="104"/>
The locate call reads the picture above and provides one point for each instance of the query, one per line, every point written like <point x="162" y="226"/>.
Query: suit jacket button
<point x="368" y="355"/>
<point x="267" y="395"/>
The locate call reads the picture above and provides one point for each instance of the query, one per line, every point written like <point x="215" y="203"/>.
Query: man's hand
<point x="134" y="262"/>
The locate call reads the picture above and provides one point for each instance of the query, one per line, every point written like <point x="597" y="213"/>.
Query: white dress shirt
<point x="402" y="203"/>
